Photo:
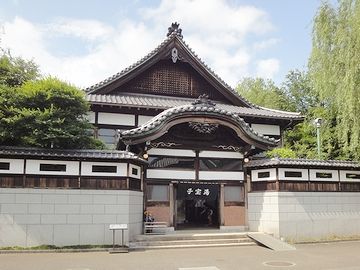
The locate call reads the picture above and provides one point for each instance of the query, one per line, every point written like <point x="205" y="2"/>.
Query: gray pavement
<point x="339" y="255"/>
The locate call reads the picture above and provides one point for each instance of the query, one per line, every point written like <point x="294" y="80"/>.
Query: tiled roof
<point x="301" y="162"/>
<point x="174" y="35"/>
<point x="147" y="101"/>
<point x="67" y="154"/>
<point x="196" y="109"/>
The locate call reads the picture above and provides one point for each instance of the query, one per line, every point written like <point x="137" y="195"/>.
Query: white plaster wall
<point x="116" y="119"/>
<point x="255" y="174"/>
<point x="32" y="217"/>
<point x="33" y="167"/>
<point x="220" y="154"/>
<point x="91" y="117"/>
<point x="225" y="175"/>
<point x="16" y="166"/>
<point x="172" y="152"/>
<point x="86" y="169"/>
<point x="170" y="174"/>
<point x="142" y="119"/>
<point x="305" y="215"/>
<point x="266" y="129"/>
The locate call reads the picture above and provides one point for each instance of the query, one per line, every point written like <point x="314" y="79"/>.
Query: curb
<point x="55" y="251"/>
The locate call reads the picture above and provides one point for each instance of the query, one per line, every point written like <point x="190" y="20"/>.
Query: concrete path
<point x="270" y="241"/>
<point x="340" y="255"/>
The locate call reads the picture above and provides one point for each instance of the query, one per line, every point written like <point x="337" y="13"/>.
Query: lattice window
<point x="167" y="78"/>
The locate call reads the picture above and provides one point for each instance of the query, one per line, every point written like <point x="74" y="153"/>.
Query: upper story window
<point x="263" y="174"/>
<point x="52" y="167"/>
<point x="353" y="175"/>
<point x="5" y="166"/>
<point x="107" y="136"/>
<point x="220" y="164"/>
<point x="293" y="174"/>
<point x="104" y="168"/>
<point x="171" y="162"/>
<point x="323" y="175"/>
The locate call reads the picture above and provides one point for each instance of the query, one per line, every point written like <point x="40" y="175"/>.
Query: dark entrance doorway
<point x="197" y="206"/>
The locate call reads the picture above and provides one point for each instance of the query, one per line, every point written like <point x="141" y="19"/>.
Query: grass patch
<point x="331" y="238"/>
<point x="52" y="247"/>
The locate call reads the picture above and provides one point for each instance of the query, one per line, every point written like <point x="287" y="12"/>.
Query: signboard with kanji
<point x="197" y="191"/>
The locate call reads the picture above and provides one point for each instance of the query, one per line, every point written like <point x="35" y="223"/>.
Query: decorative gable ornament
<point x="174" y="55"/>
<point x="203" y="128"/>
<point x="174" y="28"/>
<point x="203" y="100"/>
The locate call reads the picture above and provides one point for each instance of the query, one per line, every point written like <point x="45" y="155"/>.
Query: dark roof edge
<point x="278" y="162"/>
<point x="68" y="154"/>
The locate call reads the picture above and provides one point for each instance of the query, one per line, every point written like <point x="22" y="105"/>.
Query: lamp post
<point x="318" y="122"/>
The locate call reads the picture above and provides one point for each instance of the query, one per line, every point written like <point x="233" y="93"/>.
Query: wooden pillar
<point x="171" y="204"/>
<point x="221" y="205"/>
<point x="277" y="184"/>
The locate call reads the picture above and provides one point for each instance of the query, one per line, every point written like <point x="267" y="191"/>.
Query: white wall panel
<point x="131" y="174"/>
<point x="255" y="178"/>
<point x="142" y="119"/>
<point x="304" y="172"/>
<point x="91" y="117"/>
<point x="170" y="174"/>
<point x="171" y="152"/>
<point x="16" y="166"/>
<point x="266" y="129"/>
<point x="116" y="119"/>
<point x="33" y="167"/>
<point x="221" y="154"/>
<point x="86" y="169"/>
<point x="207" y="175"/>
<point x="343" y="175"/>
<point x="335" y="175"/>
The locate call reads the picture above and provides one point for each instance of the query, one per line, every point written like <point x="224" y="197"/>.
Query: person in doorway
<point x="210" y="213"/>
<point x="199" y="207"/>
<point x="207" y="212"/>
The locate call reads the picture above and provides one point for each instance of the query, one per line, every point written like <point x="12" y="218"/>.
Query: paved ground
<point x="341" y="255"/>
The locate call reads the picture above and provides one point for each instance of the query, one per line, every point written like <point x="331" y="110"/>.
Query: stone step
<point x="134" y="247"/>
<point x="193" y="242"/>
<point x="190" y="236"/>
<point x="192" y="239"/>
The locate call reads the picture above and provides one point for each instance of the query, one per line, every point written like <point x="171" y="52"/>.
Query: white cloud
<point x="264" y="44"/>
<point x="267" y="68"/>
<point x="85" y="29"/>
<point x="217" y="30"/>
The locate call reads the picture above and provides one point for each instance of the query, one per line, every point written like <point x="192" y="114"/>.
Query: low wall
<point x="303" y="216"/>
<point x="32" y="217"/>
<point x="234" y="215"/>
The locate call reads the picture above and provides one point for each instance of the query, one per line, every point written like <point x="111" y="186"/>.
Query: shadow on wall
<point x="305" y="216"/>
<point x="33" y="217"/>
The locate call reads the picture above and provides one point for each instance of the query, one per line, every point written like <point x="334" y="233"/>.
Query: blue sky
<point x="84" y="42"/>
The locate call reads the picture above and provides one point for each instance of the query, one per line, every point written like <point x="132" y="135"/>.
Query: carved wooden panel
<point x="174" y="79"/>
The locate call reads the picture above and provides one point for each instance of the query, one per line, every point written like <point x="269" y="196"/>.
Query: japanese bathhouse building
<point x="186" y="147"/>
<point x="195" y="131"/>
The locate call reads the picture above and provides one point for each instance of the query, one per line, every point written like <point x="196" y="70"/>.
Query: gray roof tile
<point x="147" y="101"/>
<point x="67" y="154"/>
<point x="276" y="162"/>
<point x="196" y="109"/>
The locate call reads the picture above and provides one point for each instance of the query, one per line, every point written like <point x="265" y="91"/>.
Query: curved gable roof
<point x="197" y="112"/>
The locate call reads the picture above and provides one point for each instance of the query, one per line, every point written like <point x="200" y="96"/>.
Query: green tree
<point x="45" y="113"/>
<point x="295" y="94"/>
<point x="335" y="73"/>
<point x="15" y="71"/>
<point x="262" y="93"/>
